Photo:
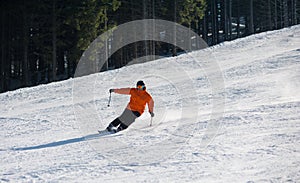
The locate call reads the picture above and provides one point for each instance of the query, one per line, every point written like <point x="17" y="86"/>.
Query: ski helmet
<point x="141" y="84"/>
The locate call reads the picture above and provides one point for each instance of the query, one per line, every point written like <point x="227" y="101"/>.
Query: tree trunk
<point x="106" y="39"/>
<point x="230" y="20"/>
<point x="8" y="54"/>
<point x="54" y="40"/>
<point x="174" y="50"/>
<point x="269" y="15"/>
<point x="204" y="28"/>
<point x="135" y="45"/>
<point x="153" y="28"/>
<point x="214" y="23"/>
<point x="251" y="23"/>
<point x="25" y="70"/>
<point x="217" y="22"/>
<point x="285" y="14"/>
<point x="295" y="12"/>
<point x="226" y="19"/>
<point x="275" y="15"/>
<point x="61" y="64"/>
<point x="3" y="44"/>
<point x="145" y="2"/>
<point x="238" y="19"/>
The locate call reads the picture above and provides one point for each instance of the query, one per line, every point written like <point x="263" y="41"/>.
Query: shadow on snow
<point x="63" y="142"/>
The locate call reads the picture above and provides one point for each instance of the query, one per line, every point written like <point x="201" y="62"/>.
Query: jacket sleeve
<point x="124" y="91"/>
<point x="150" y="104"/>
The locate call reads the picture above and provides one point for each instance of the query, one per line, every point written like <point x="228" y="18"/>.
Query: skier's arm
<point x="150" y="105"/>
<point x="124" y="91"/>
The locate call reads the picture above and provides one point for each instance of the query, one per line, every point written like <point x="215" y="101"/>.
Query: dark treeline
<point x="43" y="40"/>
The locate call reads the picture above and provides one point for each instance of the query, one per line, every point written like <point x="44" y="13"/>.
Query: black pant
<point x="126" y="119"/>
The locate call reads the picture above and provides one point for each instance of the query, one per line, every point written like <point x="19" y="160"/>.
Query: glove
<point x="152" y="114"/>
<point x="111" y="90"/>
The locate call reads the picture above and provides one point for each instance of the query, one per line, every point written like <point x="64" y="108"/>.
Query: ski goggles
<point x="141" y="87"/>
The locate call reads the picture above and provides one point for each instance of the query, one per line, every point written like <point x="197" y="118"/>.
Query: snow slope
<point x="48" y="132"/>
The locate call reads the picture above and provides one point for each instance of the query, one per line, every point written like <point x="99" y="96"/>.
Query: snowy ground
<point x="48" y="132"/>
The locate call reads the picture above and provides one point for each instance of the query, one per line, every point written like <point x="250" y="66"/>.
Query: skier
<point x="139" y="97"/>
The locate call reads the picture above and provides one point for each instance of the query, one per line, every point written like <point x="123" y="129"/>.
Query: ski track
<point x="256" y="139"/>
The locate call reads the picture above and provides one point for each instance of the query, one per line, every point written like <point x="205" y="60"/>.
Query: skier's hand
<point x="111" y="90"/>
<point x="152" y="114"/>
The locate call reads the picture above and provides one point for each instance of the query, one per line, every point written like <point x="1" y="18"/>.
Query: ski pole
<point x="109" y="99"/>
<point x="151" y="121"/>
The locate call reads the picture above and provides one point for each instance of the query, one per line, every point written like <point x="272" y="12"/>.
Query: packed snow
<point x="244" y="127"/>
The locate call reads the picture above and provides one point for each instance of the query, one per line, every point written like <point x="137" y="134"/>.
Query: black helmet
<point x="141" y="84"/>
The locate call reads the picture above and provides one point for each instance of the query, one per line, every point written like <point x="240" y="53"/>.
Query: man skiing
<point x="139" y="97"/>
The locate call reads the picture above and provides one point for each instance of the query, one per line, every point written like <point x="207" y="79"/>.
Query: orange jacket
<point x="138" y="99"/>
